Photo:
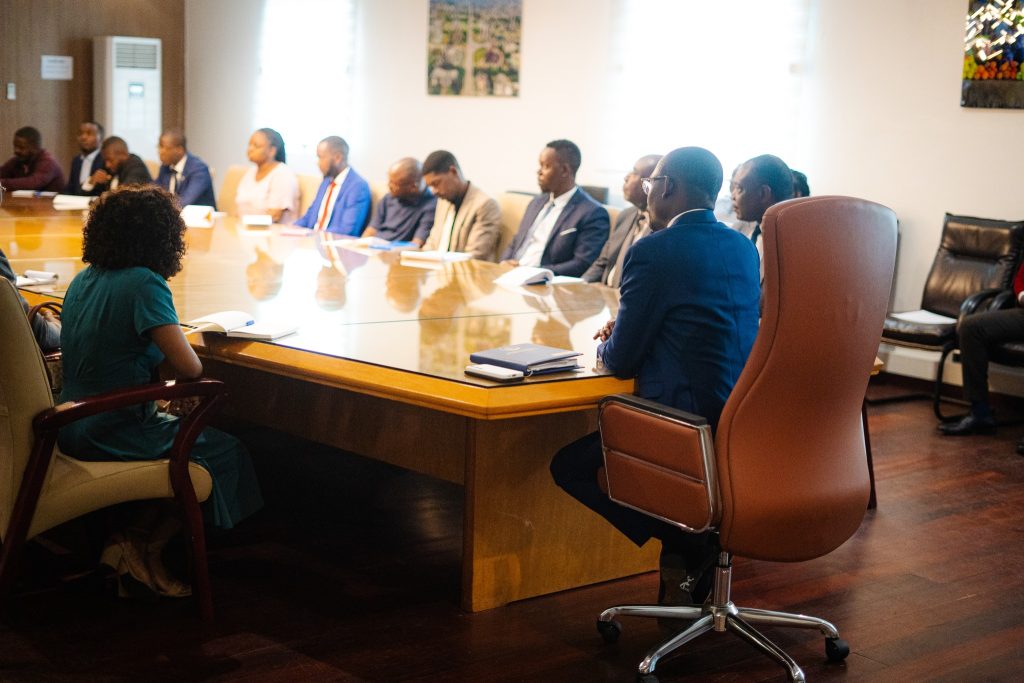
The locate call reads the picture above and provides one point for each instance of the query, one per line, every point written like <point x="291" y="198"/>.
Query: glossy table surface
<point x="353" y="304"/>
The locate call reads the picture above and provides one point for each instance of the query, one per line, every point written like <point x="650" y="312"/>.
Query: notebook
<point x="241" y="325"/>
<point x="530" y="275"/>
<point x="531" y="359"/>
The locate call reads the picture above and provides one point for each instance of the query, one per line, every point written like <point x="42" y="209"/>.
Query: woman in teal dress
<point x="119" y="324"/>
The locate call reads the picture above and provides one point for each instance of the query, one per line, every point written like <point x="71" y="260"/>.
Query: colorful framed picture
<point x="473" y="47"/>
<point x="993" y="74"/>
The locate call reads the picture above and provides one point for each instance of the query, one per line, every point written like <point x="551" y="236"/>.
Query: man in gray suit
<point x="631" y="225"/>
<point x="466" y="218"/>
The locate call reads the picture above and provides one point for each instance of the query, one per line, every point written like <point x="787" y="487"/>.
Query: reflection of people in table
<point x="264" y="276"/>
<point x="119" y="325"/>
<point x="402" y="285"/>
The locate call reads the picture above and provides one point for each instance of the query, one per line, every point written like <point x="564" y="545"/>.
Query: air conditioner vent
<point x="135" y="55"/>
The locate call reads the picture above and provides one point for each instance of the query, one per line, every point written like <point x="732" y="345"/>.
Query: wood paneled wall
<point x="32" y="28"/>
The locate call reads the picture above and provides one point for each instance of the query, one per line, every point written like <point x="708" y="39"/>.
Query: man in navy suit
<point x="90" y="135"/>
<point x="688" y="314"/>
<point x="563" y="228"/>
<point x="184" y="175"/>
<point x="342" y="202"/>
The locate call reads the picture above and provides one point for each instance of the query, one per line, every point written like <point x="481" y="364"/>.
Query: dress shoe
<point x="682" y="587"/>
<point x="1020" y="447"/>
<point x="969" y="424"/>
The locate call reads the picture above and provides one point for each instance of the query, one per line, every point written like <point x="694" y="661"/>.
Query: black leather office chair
<point x="977" y="258"/>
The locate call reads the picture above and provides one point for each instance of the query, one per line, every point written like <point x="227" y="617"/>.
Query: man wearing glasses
<point x="631" y="225"/>
<point x="688" y="315"/>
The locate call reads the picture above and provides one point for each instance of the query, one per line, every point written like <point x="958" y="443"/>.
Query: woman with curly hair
<point x="119" y="324"/>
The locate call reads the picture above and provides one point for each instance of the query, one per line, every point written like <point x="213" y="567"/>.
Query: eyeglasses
<point x="647" y="183"/>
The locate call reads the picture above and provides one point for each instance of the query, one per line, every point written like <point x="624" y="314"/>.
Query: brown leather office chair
<point x="785" y="478"/>
<point x="40" y="487"/>
<point x="977" y="258"/>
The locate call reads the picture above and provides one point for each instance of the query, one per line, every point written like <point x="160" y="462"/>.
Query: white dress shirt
<point x="541" y="229"/>
<point x="86" y="171"/>
<point x="179" y="169"/>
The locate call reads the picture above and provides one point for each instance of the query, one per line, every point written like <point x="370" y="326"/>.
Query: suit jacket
<point x="576" y="240"/>
<point x="47" y="334"/>
<point x="606" y="260"/>
<point x="132" y="172"/>
<point x="688" y="314"/>
<point x="195" y="186"/>
<point x="351" y="208"/>
<point x="74" y="186"/>
<point x="477" y="225"/>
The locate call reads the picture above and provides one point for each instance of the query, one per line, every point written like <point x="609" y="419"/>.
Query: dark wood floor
<point x="351" y="574"/>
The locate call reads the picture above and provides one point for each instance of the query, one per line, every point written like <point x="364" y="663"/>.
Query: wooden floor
<point x="351" y="573"/>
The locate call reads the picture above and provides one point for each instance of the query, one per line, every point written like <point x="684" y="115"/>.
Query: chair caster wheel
<point x="609" y="630"/>
<point x="646" y="678"/>
<point x="836" y="649"/>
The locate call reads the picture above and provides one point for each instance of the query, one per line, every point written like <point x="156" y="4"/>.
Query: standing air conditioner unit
<point x="126" y="90"/>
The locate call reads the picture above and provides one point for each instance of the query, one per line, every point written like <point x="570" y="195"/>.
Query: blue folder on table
<point x="530" y="359"/>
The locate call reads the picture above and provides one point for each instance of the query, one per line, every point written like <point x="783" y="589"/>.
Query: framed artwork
<point x="473" y="47"/>
<point x="993" y="74"/>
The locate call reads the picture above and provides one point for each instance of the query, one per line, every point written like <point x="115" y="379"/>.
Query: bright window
<point x="305" y="84"/>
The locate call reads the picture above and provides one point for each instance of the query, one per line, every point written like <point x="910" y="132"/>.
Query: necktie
<point x="326" y="207"/>
<point x="533" y="228"/>
<point x="757" y="233"/>
<point x="172" y="186"/>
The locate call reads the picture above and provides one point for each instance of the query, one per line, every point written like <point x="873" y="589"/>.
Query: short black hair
<point x="568" y="152"/>
<point x="135" y="225"/>
<point x="772" y="171"/>
<point x="30" y="135"/>
<point x="697" y="170"/>
<point x="113" y="140"/>
<point x="439" y="162"/>
<point x="800" y="186"/>
<point x="274" y="138"/>
<point x="337" y="144"/>
<point x="177" y="135"/>
<point x="99" y="127"/>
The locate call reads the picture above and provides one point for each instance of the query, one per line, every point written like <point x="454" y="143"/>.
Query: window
<point x="305" y="83"/>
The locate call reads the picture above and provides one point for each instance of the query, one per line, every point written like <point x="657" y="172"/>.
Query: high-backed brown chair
<point x="785" y="478"/>
<point x="977" y="258"/>
<point x="40" y="487"/>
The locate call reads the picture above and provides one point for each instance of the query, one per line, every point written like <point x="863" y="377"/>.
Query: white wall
<point x="886" y="123"/>
<point x="221" y="72"/>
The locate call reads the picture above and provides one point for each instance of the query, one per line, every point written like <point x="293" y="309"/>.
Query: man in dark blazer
<point x="90" y="135"/>
<point x="342" y="203"/>
<point x="184" y="175"/>
<point x="119" y="168"/>
<point x="756" y="185"/>
<point x="630" y="225"/>
<point x="688" y="315"/>
<point x="563" y="228"/>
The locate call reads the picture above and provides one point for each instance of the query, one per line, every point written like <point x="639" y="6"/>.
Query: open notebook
<point x="241" y="325"/>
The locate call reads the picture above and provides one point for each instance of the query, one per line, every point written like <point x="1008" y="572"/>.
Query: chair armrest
<point x="72" y="411"/>
<point x="1002" y="300"/>
<point x="660" y="461"/>
<point x="973" y="303"/>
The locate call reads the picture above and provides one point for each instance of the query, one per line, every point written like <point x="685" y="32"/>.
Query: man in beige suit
<point x="466" y="219"/>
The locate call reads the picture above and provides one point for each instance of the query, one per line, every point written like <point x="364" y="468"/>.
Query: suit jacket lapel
<point x="563" y="217"/>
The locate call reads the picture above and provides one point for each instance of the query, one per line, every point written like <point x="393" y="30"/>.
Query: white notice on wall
<point x="57" y="67"/>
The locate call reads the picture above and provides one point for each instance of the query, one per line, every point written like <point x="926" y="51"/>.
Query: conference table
<point x="376" y="368"/>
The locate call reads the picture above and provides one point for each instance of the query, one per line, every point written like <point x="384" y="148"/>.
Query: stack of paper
<point x="436" y="256"/>
<point x="197" y="216"/>
<point x="71" y="202"/>
<point x="36" y="277"/>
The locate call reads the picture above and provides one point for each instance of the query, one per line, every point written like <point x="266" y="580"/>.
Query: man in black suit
<point x="83" y="166"/>
<point x="757" y="184"/>
<point x="119" y="168"/>
<point x="563" y="228"/>
<point x="631" y="225"/>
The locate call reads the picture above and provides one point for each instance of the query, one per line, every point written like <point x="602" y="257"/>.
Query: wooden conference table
<point x="376" y="368"/>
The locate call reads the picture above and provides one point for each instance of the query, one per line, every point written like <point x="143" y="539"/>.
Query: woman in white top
<point x="270" y="187"/>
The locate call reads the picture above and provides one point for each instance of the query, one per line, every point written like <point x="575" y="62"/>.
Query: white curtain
<point x="305" y="82"/>
<point x="725" y="75"/>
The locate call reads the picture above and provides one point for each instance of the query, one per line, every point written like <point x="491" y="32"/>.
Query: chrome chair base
<point x="720" y="614"/>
